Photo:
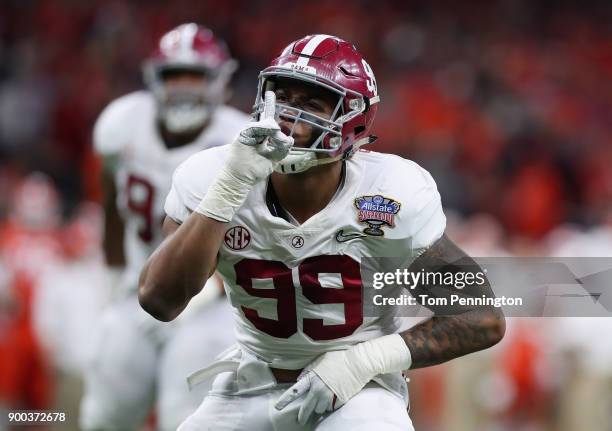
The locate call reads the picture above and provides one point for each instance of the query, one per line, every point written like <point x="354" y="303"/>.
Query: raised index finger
<point x="269" y="110"/>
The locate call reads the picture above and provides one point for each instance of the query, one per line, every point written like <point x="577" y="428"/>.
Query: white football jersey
<point x="127" y="129"/>
<point x="296" y="290"/>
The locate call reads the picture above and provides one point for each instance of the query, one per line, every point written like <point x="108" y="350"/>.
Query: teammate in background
<point x="286" y="214"/>
<point x="142" y="138"/>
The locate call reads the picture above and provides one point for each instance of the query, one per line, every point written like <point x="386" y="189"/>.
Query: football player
<point x="142" y="138"/>
<point x="287" y="214"/>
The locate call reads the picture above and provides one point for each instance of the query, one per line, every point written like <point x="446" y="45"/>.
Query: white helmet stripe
<point x="310" y="47"/>
<point x="188" y="33"/>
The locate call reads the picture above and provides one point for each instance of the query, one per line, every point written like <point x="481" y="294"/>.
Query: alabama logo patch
<point x="376" y="211"/>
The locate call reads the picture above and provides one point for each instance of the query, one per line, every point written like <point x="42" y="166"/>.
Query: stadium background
<point x="507" y="103"/>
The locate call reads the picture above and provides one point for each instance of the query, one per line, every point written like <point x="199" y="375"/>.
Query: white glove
<point x="318" y="397"/>
<point x="335" y="377"/>
<point x="252" y="157"/>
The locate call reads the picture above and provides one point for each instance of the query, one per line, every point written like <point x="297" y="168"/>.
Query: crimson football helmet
<point x="337" y="66"/>
<point x="195" y="49"/>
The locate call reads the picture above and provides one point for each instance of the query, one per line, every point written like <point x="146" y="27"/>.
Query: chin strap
<point x="299" y="161"/>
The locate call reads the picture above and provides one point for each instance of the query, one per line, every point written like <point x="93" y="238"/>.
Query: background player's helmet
<point x="337" y="66"/>
<point x="189" y="48"/>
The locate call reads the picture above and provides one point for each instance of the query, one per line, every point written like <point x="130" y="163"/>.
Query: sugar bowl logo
<point x="376" y="211"/>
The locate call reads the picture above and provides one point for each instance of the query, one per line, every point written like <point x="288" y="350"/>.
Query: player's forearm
<point x="180" y="266"/>
<point x="442" y="338"/>
<point x="454" y="331"/>
<point x="112" y="243"/>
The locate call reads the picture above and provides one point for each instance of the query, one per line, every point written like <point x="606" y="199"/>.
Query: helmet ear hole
<point x="359" y="129"/>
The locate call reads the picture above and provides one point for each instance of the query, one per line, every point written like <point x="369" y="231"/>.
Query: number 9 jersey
<point x="296" y="290"/>
<point x="127" y="133"/>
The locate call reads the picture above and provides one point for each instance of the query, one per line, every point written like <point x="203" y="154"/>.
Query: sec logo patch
<point x="237" y="238"/>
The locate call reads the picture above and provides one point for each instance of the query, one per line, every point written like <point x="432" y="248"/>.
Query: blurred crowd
<point x="507" y="103"/>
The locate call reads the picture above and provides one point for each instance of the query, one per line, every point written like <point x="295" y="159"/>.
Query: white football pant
<point x="244" y="400"/>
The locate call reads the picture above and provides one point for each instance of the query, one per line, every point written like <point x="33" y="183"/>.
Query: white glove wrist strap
<point x="224" y="197"/>
<point x="361" y="362"/>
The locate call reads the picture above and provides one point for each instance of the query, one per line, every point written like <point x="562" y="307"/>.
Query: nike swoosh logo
<point x="342" y="237"/>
